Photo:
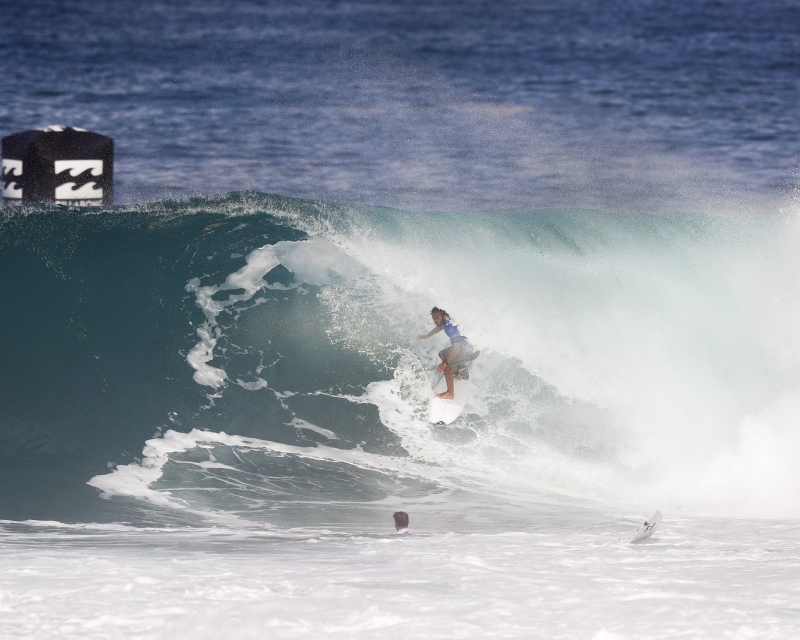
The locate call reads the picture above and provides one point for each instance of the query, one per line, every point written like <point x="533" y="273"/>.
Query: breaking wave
<point x="240" y="358"/>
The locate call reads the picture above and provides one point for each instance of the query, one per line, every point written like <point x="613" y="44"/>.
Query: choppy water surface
<point x="468" y="106"/>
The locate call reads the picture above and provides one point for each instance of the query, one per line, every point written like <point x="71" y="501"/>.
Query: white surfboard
<point x="445" y="411"/>
<point x="646" y="530"/>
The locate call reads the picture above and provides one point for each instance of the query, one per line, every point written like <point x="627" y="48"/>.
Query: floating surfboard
<point x="646" y="530"/>
<point x="445" y="411"/>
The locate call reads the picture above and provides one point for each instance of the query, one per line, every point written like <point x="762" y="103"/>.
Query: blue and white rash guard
<point x="452" y="332"/>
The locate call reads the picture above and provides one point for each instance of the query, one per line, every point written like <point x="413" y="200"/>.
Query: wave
<point x="237" y="358"/>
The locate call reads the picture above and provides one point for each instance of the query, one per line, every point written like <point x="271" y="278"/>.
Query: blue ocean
<point x="212" y="400"/>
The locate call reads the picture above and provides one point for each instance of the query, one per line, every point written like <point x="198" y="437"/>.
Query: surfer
<point x="456" y="358"/>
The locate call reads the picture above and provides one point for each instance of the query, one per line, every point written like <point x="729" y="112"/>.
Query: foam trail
<point x="136" y="479"/>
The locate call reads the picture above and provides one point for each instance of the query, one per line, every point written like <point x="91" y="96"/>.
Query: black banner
<point x="58" y="164"/>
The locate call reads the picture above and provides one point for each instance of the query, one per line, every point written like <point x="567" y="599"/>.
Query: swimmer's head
<point x="400" y="520"/>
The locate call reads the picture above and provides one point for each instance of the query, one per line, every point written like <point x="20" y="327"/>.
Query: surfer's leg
<point x="448" y="376"/>
<point x="460" y="364"/>
<point x="444" y="353"/>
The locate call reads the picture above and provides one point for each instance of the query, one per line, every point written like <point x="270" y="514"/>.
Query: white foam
<point x="681" y="332"/>
<point x="255" y="385"/>
<point x="136" y="479"/>
<point x="318" y="262"/>
<point x="699" y="578"/>
<point x="201" y="354"/>
<point x="313" y="261"/>
<point x="758" y="475"/>
<point x="297" y="423"/>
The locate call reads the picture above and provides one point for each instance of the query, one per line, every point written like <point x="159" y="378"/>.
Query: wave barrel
<point x="62" y="165"/>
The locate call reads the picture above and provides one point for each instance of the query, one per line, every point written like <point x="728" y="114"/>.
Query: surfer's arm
<point x="433" y="331"/>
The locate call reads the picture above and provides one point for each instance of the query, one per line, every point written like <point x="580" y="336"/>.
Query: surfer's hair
<point x="400" y="519"/>
<point x="445" y="315"/>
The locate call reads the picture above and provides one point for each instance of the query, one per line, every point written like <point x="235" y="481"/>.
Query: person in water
<point x="456" y="358"/>
<point x="401" y="522"/>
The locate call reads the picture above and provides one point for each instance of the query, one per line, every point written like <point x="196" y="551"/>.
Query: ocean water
<point x="212" y="399"/>
<point x="468" y="106"/>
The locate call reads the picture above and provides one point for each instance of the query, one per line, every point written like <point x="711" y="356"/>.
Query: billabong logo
<point x="86" y="192"/>
<point x="77" y="167"/>
<point x="11" y="169"/>
<point x="69" y="191"/>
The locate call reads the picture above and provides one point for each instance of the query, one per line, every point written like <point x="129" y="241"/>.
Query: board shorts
<point x="461" y="362"/>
